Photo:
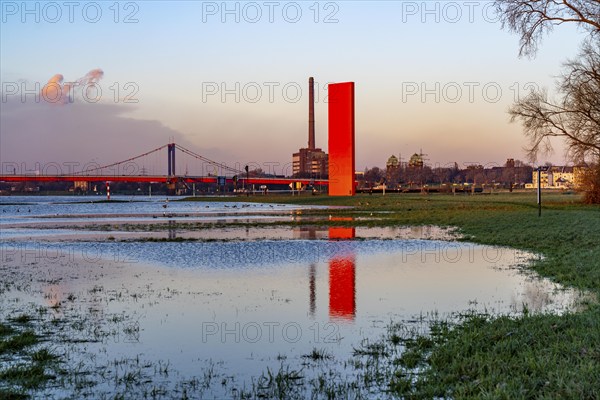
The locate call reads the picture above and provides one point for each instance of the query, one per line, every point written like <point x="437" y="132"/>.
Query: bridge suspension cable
<point x="202" y="158"/>
<point x="121" y="162"/>
<point x="181" y="148"/>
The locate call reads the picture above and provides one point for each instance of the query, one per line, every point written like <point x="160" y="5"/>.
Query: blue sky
<point x="437" y="76"/>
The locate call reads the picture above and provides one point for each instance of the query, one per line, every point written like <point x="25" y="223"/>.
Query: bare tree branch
<point x="575" y="117"/>
<point x="532" y="19"/>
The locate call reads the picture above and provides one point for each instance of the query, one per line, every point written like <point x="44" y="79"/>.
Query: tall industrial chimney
<point x="311" y="113"/>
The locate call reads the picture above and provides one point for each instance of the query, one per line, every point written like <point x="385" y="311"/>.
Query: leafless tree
<point x="532" y="19"/>
<point x="591" y="185"/>
<point x="374" y="175"/>
<point x="575" y="117"/>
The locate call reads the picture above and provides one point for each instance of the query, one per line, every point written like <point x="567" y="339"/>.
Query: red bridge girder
<point x="154" y="179"/>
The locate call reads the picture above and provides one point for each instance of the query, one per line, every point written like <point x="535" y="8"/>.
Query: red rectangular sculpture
<point x="341" y="139"/>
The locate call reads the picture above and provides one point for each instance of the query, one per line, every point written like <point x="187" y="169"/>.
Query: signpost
<point x="539" y="190"/>
<point x="247" y="179"/>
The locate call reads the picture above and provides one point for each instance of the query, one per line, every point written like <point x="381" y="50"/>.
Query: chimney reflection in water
<point x="342" y="276"/>
<point x="312" y="287"/>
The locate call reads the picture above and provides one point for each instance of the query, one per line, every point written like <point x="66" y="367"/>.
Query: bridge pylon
<point x="171" y="159"/>
<point x="172" y="180"/>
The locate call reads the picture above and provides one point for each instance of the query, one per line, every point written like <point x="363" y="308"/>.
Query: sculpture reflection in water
<point x="342" y="279"/>
<point x="342" y="273"/>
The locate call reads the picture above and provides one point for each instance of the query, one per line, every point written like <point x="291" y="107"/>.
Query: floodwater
<point x="210" y="317"/>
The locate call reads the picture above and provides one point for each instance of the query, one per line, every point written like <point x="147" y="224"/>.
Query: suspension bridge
<point x="150" y="167"/>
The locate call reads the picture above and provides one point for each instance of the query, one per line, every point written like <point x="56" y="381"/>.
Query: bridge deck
<point x="155" y="179"/>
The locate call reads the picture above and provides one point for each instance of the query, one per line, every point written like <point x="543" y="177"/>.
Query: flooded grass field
<point x="240" y="312"/>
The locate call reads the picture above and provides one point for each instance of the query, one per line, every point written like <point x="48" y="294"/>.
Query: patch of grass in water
<point x="43" y="356"/>
<point x="318" y="355"/>
<point x="6" y="330"/>
<point x="18" y="342"/>
<point x="411" y="358"/>
<point x="26" y="376"/>
<point x="372" y="349"/>
<point x="29" y="370"/>
<point x="12" y="394"/>
<point x="21" y="319"/>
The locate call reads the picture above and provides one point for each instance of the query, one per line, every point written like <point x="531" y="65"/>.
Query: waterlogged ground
<point x="241" y="311"/>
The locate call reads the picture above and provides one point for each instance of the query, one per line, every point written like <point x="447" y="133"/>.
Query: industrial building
<point x="311" y="161"/>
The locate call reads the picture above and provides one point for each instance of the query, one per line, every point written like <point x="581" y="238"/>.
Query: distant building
<point x="392" y="170"/>
<point x="81" y="186"/>
<point x="392" y="162"/>
<point x="416" y="161"/>
<point x="559" y="177"/>
<point x="310" y="162"/>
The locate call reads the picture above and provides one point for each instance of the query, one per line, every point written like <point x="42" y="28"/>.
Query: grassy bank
<point x="534" y="356"/>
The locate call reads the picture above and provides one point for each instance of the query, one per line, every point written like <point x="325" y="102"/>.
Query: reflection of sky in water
<point x="245" y="303"/>
<point x="173" y="230"/>
<point x="15" y="233"/>
<point x="23" y="209"/>
<point x="273" y="254"/>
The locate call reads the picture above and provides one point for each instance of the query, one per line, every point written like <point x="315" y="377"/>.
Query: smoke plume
<point x="57" y="91"/>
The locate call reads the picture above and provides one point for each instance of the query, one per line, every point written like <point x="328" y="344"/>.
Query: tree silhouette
<point x="532" y="19"/>
<point x="575" y="117"/>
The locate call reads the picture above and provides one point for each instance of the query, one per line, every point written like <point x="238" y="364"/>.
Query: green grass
<point x="27" y="376"/>
<point x="542" y="356"/>
<point x="318" y="355"/>
<point x="21" y="319"/>
<point x="5" y="330"/>
<point x="29" y="372"/>
<point x="43" y="356"/>
<point x="18" y="342"/>
<point x="9" y="394"/>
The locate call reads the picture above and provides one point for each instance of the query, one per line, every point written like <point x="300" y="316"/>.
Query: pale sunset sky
<point x="229" y="80"/>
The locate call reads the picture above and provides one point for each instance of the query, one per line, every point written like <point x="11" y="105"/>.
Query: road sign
<point x="221" y="180"/>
